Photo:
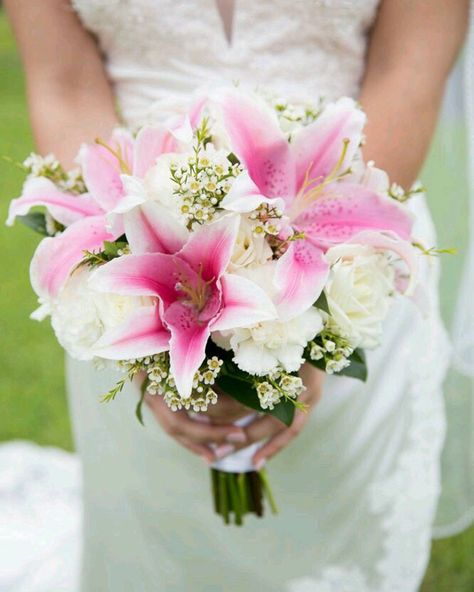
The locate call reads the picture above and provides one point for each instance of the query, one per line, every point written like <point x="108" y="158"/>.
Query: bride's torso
<point x="160" y="50"/>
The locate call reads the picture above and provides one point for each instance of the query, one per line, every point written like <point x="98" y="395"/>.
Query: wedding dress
<point x="358" y="489"/>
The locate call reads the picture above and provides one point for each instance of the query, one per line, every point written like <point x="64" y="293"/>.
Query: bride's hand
<point x="278" y="436"/>
<point x="197" y="434"/>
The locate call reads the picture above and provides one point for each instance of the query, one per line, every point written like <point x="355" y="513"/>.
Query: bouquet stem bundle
<point x="238" y="494"/>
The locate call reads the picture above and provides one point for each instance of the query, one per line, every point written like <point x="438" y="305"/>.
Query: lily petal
<point x="134" y="194"/>
<point x="391" y="242"/>
<point x="150" y="228"/>
<point x="258" y="142"/>
<point x="150" y="143"/>
<point x="300" y="276"/>
<point x="142" y="334"/>
<point x="318" y="147"/>
<point x="244" y="304"/>
<point x="346" y="209"/>
<point x="245" y="196"/>
<point x="187" y="345"/>
<point x="196" y="109"/>
<point x="101" y="169"/>
<point x="209" y="248"/>
<point x="150" y="274"/>
<point x="63" y="207"/>
<point x="56" y="257"/>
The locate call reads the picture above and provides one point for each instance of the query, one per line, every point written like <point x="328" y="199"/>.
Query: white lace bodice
<point x="160" y="49"/>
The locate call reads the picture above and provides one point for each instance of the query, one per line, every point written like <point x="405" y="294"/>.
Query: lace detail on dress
<point x="333" y="579"/>
<point x="407" y="499"/>
<point x="155" y="48"/>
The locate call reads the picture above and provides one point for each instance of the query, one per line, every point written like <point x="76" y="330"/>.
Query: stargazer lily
<point x="302" y="177"/>
<point x="194" y="293"/>
<point x="97" y="216"/>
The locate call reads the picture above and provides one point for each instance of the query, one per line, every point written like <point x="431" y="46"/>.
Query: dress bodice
<point x="157" y="50"/>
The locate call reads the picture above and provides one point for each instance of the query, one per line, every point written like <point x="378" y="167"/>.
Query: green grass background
<point x="33" y="404"/>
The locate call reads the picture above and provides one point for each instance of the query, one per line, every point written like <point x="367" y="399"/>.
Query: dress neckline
<point x="226" y="10"/>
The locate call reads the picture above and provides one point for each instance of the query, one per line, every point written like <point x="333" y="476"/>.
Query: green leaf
<point x="356" y="369"/>
<point x="138" y="408"/>
<point x="36" y="221"/>
<point x="232" y="158"/>
<point x="322" y="303"/>
<point x="358" y="366"/>
<point x="244" y="392"/>
<point x="111" y="249"/>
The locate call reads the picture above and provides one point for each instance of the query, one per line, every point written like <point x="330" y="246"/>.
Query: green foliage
<point x="241" y="387"/>
<point x="322" y="303"/>
<point x="358" y="366"/>
<point x="111" y="250"/>
<point x="36" y="221"/>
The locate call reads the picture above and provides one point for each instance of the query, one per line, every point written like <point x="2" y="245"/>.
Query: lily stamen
<point x="117" y="154"/>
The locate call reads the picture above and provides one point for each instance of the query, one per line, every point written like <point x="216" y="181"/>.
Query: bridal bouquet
<point x="219" y="252"/>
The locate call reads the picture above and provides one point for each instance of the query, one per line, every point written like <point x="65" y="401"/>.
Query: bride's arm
<point x="69" y="96"/>
<point x="412" y="47"/>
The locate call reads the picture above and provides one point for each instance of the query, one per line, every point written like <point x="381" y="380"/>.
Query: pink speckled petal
<point x="391" y="242"/>
<point x="258" y="142"/>
<point x="150" y="274"/>
<point x="56" y="257"/>
<point x="150" y="228"/>
<point x="150" y="143"/>
<point x="63" y="207"/>
<point x="142" y="334"/>
<point x="187" y="345"/>
<point x="101" y="169"/>
<point x="318" y="147"/>
<point x="243" y="304"/>
<point x="347" y="209"/>
<point x="300" y="276"/>
<point x="210" y="247"/>
<point x="245" y="196"/>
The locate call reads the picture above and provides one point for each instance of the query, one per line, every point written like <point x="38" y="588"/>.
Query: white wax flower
<point x="81" y="315"/>
<point x="359" y="289"/>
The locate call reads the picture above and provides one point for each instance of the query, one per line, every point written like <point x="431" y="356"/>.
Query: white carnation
<point x="264" y="347"/>
<point x="250" y="249"/>
<point x="358" y="291"/>
<point x="81" y="315"/>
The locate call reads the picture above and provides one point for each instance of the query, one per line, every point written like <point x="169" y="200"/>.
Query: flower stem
<point x="268" y="491"/>
<point x="237" y="494"/>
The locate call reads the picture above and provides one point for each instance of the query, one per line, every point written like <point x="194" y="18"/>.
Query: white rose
<point x="81" y="315"/>
<point x="249" y="249"/>
<point x="358" y="291"/>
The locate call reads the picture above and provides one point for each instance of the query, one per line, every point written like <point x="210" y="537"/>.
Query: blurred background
<point x="33" y="402"/>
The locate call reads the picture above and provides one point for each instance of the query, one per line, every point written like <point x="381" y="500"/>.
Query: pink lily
<point x="195" y="294"/>
<point x="88" y="216"/>
<point x="301" y="178"/>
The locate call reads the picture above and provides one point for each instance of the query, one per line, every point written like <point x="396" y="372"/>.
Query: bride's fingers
<point x="280" y="440"/>
<point x="201" y="450"/>
<point x="262" y="428"/>
<point x="179" y="424"/>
